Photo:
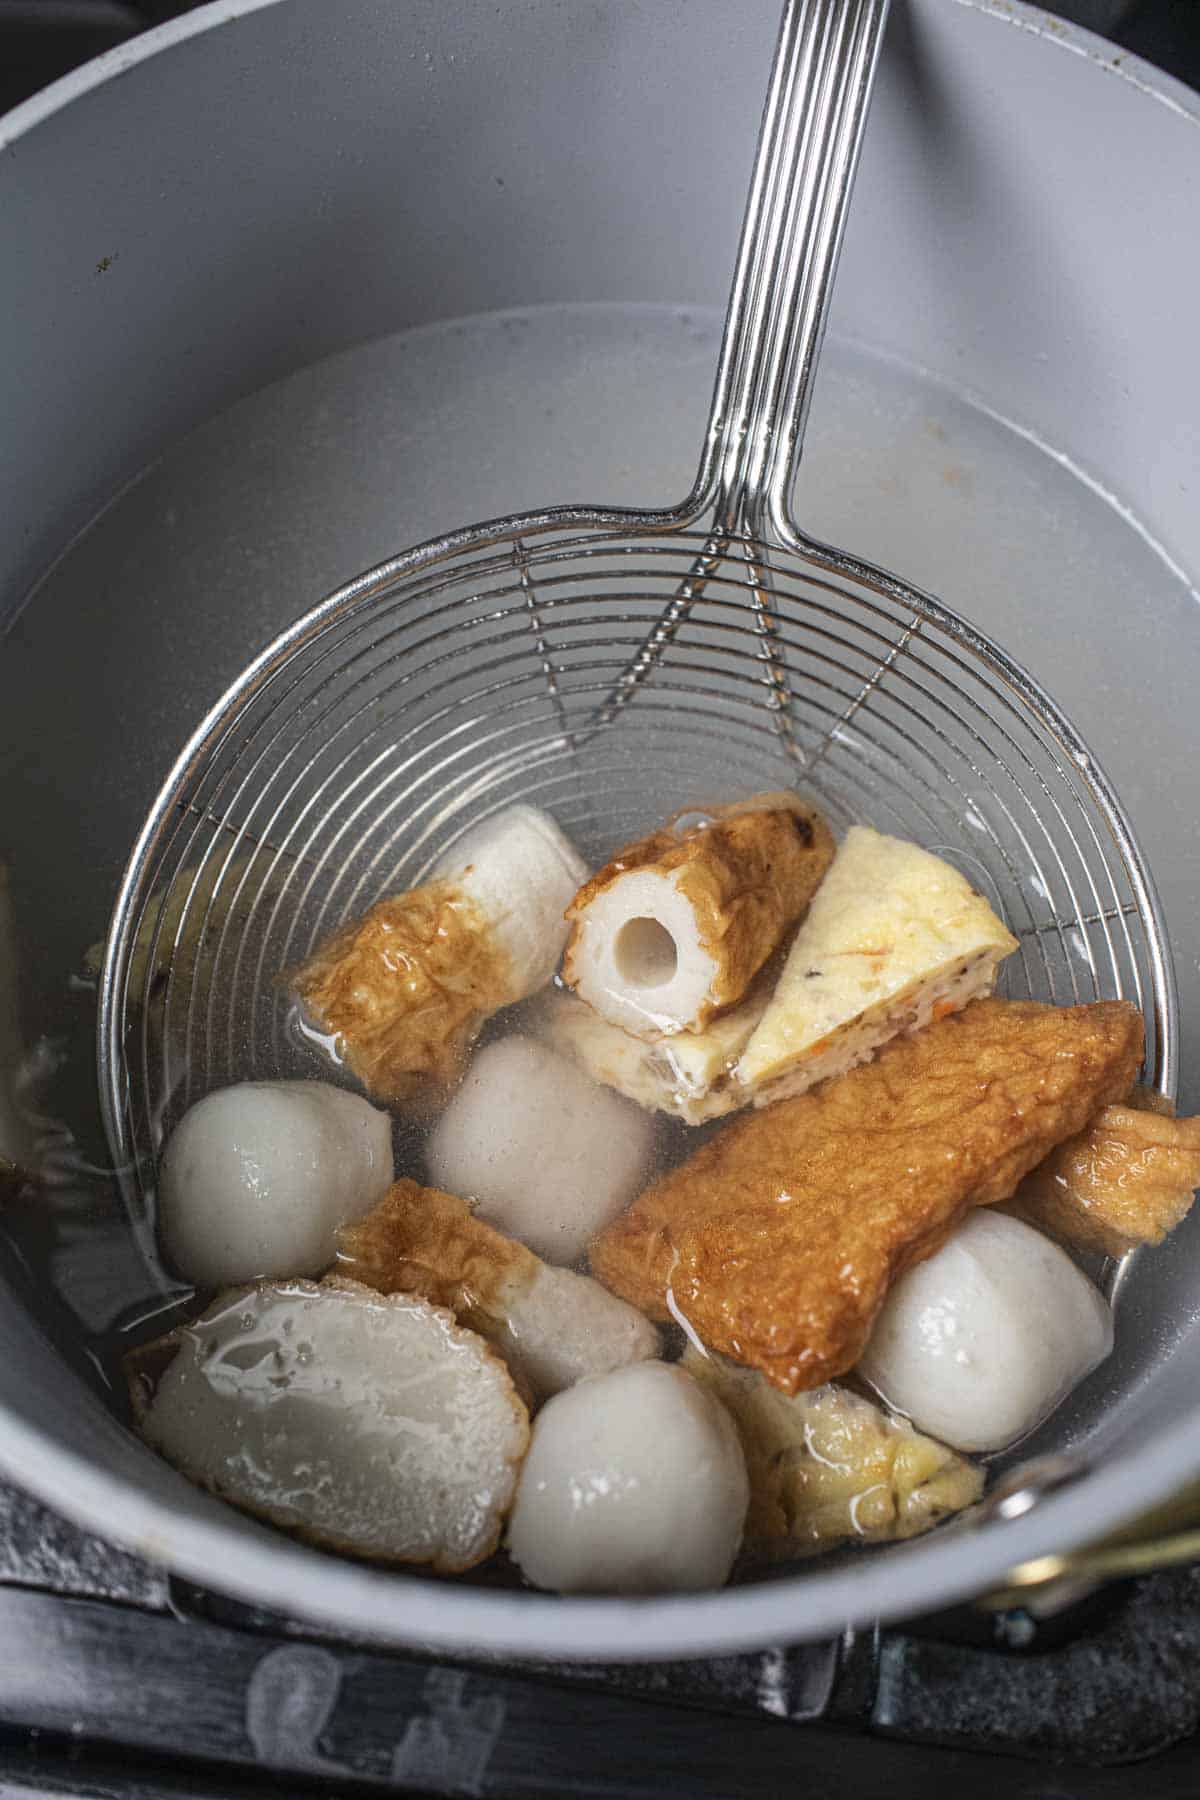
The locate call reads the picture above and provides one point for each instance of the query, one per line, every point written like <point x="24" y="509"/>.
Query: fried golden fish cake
<point x="402" y="991"/>
<point x="779" y="1239"/>
<point x="551" y="1325"/>
<point x="1127" y="1179"/>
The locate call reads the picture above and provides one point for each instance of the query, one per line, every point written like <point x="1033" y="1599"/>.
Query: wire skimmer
<point x="614" y="665"/>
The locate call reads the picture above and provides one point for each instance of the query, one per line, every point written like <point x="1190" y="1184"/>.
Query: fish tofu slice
<point x="1128" y="1178"/>
<point x="370" y="1425"/>
<point x="894" y="938"/>
<point x="830" y="1465"/>
<point x="688" y="1076"/>
<point x="404" y="989"/>
<point x="779" y="1238"/>
<point x="551" y="1326"/>
<point x="674" y="929"/>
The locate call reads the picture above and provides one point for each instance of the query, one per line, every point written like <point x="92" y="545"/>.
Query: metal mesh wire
<point x="568" y="673"/>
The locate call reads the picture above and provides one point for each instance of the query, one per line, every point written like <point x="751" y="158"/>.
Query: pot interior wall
<point x="281" y="214"/>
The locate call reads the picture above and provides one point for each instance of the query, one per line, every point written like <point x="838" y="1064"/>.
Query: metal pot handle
<point x="1167" y="1537"/>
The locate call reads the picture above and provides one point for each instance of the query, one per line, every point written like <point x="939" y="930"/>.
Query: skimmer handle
<point x="808" y="148"/>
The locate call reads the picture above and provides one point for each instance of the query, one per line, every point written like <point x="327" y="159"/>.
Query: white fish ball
<point x="257" y="1178"/>
<point x="980" y="1343"/>
<point x="634" y="1483"/>
<point x="548" y="1154"/>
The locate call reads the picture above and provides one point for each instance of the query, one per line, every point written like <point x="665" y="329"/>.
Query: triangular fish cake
<point x="894" y="937"/>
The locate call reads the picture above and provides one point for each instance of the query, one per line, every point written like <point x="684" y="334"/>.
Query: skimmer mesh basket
<point x="615" y="667"/>
<point x="569" y="672"/>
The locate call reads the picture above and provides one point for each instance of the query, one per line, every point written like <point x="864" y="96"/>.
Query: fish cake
<point x="672" y="931"/>
<point x="402" y="991"/>
<point x="552" y="1326"/>
<point x="895" y="937"/>
<point x="1127" y="1179"/>
<point x="778" y="1240"/>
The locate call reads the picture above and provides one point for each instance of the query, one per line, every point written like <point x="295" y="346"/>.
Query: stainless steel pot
<point x="265" y="185"/>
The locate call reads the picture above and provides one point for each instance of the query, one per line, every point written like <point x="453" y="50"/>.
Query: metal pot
<point x="269" y="183"/>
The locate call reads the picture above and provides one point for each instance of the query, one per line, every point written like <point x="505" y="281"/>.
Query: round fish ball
<point x="634" y="1483"/>
<point x="549" y="1155"/>
<point x="257" y="1178"/>
<point x="980" y="1343"/>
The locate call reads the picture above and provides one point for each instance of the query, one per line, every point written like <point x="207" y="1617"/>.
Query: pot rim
<point x="267" y="1569"/>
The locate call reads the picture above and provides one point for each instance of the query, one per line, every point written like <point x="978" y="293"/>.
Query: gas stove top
<point x="116" y="1681"/>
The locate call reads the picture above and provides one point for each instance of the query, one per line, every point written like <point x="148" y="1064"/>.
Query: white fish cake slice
<point x="688" y="1076"/>
<point x="366" y="1424"/>
<point x="894" y="937"/>
<point x="552" y="1326"/>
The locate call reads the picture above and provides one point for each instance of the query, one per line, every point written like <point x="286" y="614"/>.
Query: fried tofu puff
<point x="779" y="1239"/>
<point x="403" y="990"/>
<point x="830" y="1465"/>
<point x="675" y="927"/>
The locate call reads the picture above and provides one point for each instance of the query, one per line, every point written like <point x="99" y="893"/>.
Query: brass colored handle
<point x="1162" y="1539"/>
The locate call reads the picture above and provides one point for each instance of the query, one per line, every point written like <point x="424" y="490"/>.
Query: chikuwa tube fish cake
<point x="674" y="929"/>
<point x="779" y="1239"/>
<point x="404" y="989"/>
